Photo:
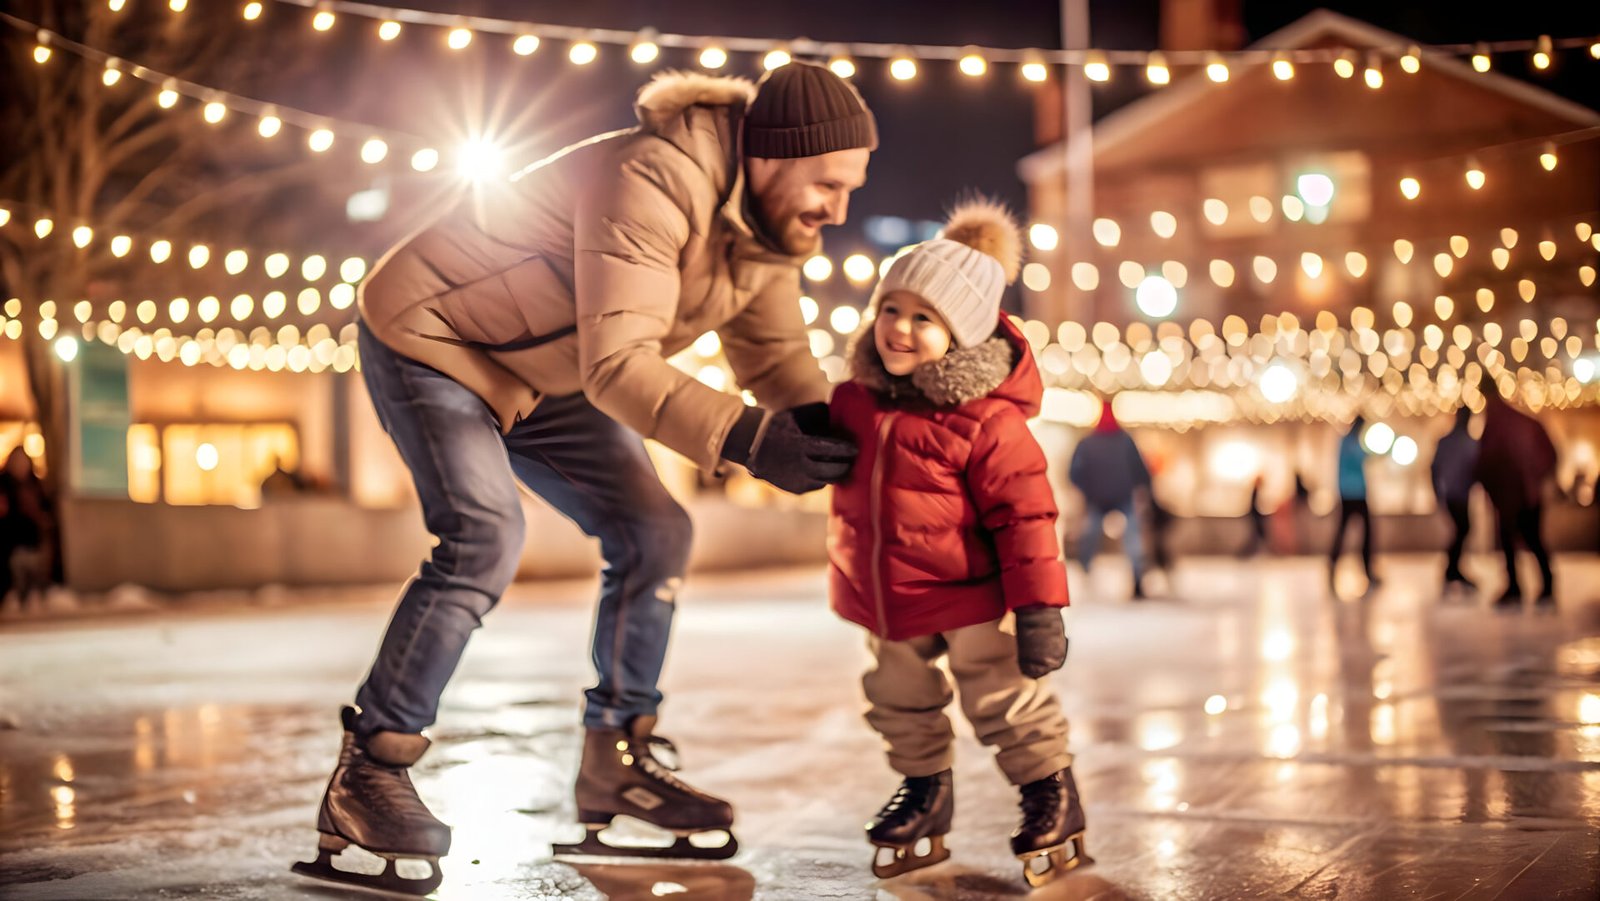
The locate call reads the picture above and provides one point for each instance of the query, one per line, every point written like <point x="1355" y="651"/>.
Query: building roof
<point x="1133" y="120"/>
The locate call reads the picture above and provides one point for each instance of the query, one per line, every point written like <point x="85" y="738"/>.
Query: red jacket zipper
<point x="875" y="507"/>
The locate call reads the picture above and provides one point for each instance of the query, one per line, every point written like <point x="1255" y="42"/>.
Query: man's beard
<point x="794" y="240"/>
<point x="800" y="242"/>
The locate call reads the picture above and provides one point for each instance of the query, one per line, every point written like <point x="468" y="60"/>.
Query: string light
<point x="320" y="140"/>
<point x="903" y="68"/>
<point x="842" y="66"/>
<point x="425" y="160"/>
<point x="644" y="52"/>
<point x="713" y="57"/>
<point x="583" y="53"/>
<point x="1542" y="51"/>
<point x="322" y="21"/>
<point x="1547" y="158"/>
<point x="252" y="11"/>
<point x="776" y="59"/>
<point x="1410" y="187"/>
<point x="1342" y="66"/>
<point x="1475" y="177"/>
<point x="178" y="6"/>
<point x="1095" y="67"/>
<point x="1036" y="72"/>
<point x="1216" y="69"/>
<point x="167" y="99"/>
<point x="458" y="38"/>
<point x="972" y="65"/>
<point x="1156" y="70"/>
<point x="111" y="75"/>
<point x="1282" y="69"/>
<point x="215" y="112"/>
<point x="1411" y="62"/>
<point x="1480" y="57"/>
<point x="269" y="126"/>
<point x="1374" y="72"/>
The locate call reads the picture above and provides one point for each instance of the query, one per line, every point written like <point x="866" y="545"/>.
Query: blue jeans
<point x="591" y="469"/>
<point x="1094" y="530"/>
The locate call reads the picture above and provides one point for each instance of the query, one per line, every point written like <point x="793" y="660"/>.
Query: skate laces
<point x="655" y="743"/>
<point x="664" y="770"/>
<point x="1042" y="801"/>
<point x="907" y="801"/>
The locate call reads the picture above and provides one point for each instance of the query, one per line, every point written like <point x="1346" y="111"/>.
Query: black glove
<point x="1041" y="640"/>
<point x="793" y="451"/>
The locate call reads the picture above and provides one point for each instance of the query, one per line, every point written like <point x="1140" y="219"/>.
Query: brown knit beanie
<point x="803" y="109"/>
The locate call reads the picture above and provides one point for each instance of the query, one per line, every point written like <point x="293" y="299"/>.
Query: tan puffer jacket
<point x="593" y="266"/>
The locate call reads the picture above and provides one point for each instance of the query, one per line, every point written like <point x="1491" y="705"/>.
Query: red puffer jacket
<point x="947" y="519"/>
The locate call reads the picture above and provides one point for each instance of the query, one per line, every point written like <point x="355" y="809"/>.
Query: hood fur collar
<point x="962" y="375"/>
<point x="670" y="93"/>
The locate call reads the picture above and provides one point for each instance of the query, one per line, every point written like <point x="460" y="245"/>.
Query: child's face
<point x="908" y="333"/>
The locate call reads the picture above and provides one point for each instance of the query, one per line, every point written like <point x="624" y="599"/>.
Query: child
<point x="943" y="542"/>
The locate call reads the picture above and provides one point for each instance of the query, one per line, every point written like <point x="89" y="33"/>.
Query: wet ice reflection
<point x="1253" y="738"/>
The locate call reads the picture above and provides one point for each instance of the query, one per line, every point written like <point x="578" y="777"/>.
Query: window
<point x="209" y="464"/>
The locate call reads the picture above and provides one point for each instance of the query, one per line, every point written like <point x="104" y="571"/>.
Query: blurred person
<point x="282" y="482"/>
<point x="943" y="545"/>
<point x="1353" y="501"/>
<point x="1106" y="468"/>
<point x="1257" y="541"/>
<point x="27" y="529"/>
<point x="524" y="336"/>
<point x="1515" y="459"/>
<point x="1161" y="521"/>
<point x="1455" y="462"/>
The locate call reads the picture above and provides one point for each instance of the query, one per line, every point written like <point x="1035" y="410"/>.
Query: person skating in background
<point x="1455" y="462"/>
<point x="1161" y="522"/>
<point x="1257" y="515"/>
<point x="1106" y="468"/>
<point x="1353" y="502"/>
<point x="27" y="530"/>
<point x="1515" y="458"/>
<point x="942" y="543"/>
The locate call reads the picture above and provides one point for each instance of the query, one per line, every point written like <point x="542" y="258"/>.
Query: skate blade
<point x="904" y="859"/>
<point x="1055" y="861"/>
<point x="389" y="881"/>
<point x="682" y="847"/>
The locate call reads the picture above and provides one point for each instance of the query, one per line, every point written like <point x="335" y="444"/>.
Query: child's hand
<point x="1041" y="640"/>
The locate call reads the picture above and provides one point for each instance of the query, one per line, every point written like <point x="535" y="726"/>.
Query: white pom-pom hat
<point x="963" y="272"/>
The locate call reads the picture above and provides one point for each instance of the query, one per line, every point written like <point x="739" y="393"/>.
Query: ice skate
<point x="370" y="803"/>
<point x="920" y="811"/>
<point x="1049" y="842"/>
<point x="622" y="776"/>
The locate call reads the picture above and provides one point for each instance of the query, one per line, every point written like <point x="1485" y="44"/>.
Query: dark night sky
<point x="944" y="134"/>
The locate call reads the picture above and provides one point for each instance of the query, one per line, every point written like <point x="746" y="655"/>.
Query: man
<point x="1454" y="460"/>
<point x="1353" y="502"/>
<point x="1106" y="467"/>
<point x="1515" y="459"/>
<point x="526" y="339"/>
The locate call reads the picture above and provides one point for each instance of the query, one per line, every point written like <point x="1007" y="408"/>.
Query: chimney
<point x="1201" y="25"/>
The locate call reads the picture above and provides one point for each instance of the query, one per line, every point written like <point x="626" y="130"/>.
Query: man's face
<point x="795" y="198"/>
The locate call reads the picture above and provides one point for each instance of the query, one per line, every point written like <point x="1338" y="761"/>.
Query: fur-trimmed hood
<point x="669" y="94"/>
<point x="1002" y="367"/>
